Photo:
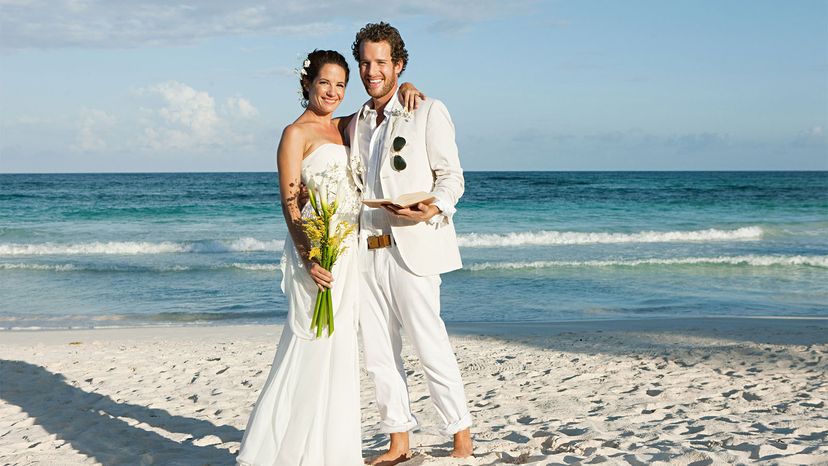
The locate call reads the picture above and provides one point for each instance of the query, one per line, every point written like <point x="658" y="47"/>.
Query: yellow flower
<point x="326" y="238"/>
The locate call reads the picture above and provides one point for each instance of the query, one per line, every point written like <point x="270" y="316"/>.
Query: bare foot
<point x="398" y="451"/>
<point x="390" y="458"/>
<point x="462" y="444"/>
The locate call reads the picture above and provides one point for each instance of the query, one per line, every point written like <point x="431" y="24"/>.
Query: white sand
<point x="672" y="391"/>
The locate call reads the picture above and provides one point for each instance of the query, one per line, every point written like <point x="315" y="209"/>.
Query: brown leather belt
<point x="379" y="241"/>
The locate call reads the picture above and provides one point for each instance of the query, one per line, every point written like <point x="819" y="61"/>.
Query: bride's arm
<point x="289" y="160"/>
<point x="410" y="96"/>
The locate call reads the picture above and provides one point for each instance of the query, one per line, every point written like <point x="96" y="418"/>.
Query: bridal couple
<point x="388" y="280"/>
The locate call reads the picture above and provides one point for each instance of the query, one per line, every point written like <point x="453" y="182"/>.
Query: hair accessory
<point x="303" y="70"/>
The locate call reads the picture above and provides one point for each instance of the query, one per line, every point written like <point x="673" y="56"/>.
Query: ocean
<point x="114" y="250"/>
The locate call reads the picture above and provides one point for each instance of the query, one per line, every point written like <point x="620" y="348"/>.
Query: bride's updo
<point x="313" y="63"/>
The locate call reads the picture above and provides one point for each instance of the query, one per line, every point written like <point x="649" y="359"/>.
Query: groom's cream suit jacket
<point x="433" y="165"/>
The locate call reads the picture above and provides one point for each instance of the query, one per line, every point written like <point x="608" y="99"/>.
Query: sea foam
<point x="550" y="238"/>
<point x="471" y="240"/>
<point x="141" y="247"/>
<point x="749" y="260"/>
<point x="255" y="267"/>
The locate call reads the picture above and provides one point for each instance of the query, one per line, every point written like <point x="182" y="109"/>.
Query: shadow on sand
<point x="94" y="424"/>
<point x="638" y="333"/>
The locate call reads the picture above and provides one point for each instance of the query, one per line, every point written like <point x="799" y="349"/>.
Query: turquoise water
<point x="95" y="250"/>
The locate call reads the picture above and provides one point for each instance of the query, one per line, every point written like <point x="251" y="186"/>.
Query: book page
<point x="405" y="200"/>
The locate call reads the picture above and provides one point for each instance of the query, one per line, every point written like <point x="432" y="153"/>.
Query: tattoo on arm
<point x="293" y="217"/>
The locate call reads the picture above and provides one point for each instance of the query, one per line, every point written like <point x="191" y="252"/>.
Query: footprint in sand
<point x="525" y="420"/>
<point x="572" y="431"/>
<point x="750" y="396"/>
<point x="516" y="437"/>
<point x="634" y="388"/>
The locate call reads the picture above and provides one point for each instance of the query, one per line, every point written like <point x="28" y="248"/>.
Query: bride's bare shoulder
<point x="294" y="137"/>
<point x="297" y="129"/>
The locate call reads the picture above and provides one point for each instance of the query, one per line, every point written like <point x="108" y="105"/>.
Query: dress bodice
<point x="326" y="169"/>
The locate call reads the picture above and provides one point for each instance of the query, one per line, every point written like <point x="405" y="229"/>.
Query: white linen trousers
<point x="394" y="300"/>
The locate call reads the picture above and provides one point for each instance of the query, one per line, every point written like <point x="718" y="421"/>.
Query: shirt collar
<point x="368" y="107"/>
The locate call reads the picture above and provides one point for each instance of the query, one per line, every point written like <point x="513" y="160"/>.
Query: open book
<point x="401" y="202"/>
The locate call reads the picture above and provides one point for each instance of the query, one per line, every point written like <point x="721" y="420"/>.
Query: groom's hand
<point x="419" y="213"/>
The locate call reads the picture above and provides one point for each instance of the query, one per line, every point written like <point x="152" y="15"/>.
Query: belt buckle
<point x="379" y="241"/>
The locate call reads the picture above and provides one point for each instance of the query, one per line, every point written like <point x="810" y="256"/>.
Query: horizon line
<point x="821" y="170"/>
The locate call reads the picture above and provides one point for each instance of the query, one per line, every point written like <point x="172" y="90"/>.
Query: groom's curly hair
<point x="379" y="32"/>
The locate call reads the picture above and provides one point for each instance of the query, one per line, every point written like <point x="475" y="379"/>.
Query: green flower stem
<point x="330" y="314"/>
<point x="321" y="311"/>
<point x="315" y="319"/>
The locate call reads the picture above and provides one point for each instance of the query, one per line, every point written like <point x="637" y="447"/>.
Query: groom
<point x="402" y="252"/>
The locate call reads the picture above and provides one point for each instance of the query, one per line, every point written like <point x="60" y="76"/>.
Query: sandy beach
<point x="692" y="391"/>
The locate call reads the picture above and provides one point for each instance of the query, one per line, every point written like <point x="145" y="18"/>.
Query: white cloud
<point x="187" y="107"/>
<point x="119" y="24"/>
<point x="813" y="136"/>
<point x="240" y="107"/>
<point x="699" y="142"/>
<point x="188" y="119"/>
<point x="90" y="125"/>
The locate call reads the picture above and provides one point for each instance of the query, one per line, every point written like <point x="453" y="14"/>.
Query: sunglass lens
<point x="399" y="143"/>
<point x="399" y="163"/>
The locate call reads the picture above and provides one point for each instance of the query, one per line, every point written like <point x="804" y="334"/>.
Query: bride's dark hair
<point x="315" y="61"/>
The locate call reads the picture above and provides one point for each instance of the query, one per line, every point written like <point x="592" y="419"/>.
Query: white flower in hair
<point x="303" y="71"/>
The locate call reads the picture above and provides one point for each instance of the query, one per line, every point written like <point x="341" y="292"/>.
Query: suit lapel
<point x="355" y="158"/>
<point x="391" y="129"/>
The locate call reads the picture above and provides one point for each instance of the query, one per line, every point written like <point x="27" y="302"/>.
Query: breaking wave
<point x="141" y="247"/>
<point x="549" y="238"/>
<point x="755" y="261"/>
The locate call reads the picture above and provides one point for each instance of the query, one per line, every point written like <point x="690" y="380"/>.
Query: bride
<point x="308" y="410"/>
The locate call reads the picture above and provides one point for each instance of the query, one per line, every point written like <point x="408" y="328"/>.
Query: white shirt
<point x="371" y="141"/>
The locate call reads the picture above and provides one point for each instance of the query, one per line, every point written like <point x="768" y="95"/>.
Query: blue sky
<point x="113" y="86"/>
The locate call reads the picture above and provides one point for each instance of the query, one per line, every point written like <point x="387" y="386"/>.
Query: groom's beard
<point x="382" y="91"/>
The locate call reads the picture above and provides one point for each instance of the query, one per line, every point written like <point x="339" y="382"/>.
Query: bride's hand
<point x="322" y="277"/>
<point x="410" y="96"/>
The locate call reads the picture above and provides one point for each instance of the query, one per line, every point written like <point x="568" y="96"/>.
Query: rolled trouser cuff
<point x="464" y="423"/>
<point x="388" y="428"/>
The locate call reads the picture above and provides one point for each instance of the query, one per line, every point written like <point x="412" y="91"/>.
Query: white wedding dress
<point x="308" y="411"/>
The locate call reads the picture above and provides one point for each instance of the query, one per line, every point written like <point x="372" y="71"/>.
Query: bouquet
<point x="326" y="236"/>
